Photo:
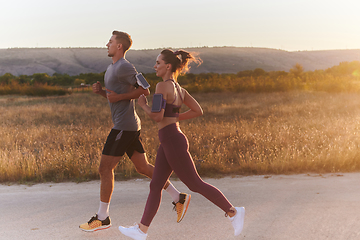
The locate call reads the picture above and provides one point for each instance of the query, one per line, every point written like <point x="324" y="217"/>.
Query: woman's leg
<point x="162" y="172"/>
<point x="180" y="160"/>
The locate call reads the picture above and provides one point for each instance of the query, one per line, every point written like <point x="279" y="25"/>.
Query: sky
<point x="291" y="25"/>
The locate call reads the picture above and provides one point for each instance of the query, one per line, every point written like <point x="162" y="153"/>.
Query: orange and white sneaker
<point x="94" y="224"/>
<point x="182" y="205"/>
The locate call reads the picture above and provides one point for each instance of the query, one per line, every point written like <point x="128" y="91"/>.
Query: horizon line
<point x="144" y="49"/>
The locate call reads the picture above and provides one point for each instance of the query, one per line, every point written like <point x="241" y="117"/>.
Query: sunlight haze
<point x="288" y="25"/>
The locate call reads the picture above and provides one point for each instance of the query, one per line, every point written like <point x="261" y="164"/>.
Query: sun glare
<point x="356" y="73"/>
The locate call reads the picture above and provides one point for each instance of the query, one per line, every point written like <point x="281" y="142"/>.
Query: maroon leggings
<point x="173" y="155"/>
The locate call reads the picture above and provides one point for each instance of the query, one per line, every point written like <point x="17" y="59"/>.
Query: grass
<point x="37" y="89"/>
<point x="60" y="138"/>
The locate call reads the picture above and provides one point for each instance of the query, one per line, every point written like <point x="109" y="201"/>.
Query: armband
<point x="158" y="103"/>
<point x="141" y="81"/>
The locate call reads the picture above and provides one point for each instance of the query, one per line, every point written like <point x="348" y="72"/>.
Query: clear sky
<point x="281" y="24"/>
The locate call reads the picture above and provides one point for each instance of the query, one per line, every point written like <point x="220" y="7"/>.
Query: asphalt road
<point x="277" y="207"/>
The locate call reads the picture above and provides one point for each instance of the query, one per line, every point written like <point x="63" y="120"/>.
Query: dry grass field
<point x="61" y="138"/>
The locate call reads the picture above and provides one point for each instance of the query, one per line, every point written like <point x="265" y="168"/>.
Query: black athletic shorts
<point x="118" y="142"/>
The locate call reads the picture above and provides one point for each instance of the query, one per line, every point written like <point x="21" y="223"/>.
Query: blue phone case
<point x="158" y="103"/>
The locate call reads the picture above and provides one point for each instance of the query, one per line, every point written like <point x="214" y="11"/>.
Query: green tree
<point x="23" y="79"/>
<point x="6" y="78"/>
<point x="63" y="79"/>
<point x="297" y="70"/>
<point x="259" y="72"/>
<point x="91" y="78"/>
<point x="41" y="78"/>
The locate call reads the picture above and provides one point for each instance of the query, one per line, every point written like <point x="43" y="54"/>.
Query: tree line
<point x="344" y="77"/>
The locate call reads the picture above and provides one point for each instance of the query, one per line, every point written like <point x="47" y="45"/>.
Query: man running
<point x="121" y="91"/>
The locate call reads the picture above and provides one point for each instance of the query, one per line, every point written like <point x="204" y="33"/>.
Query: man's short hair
<point x="124" y="39"/>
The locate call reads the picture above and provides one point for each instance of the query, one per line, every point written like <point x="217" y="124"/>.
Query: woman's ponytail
<point x="180" y="60"/>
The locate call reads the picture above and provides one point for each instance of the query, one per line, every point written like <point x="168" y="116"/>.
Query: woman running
<point x="173" y="153"/>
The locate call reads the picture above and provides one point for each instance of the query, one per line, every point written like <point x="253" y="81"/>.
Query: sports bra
<point x="172" y="110"/>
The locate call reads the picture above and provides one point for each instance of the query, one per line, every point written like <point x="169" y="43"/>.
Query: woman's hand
<point x="142" y="100"/>
<point x="195" y="108"/>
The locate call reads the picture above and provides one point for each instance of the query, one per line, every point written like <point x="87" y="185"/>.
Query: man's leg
<point x="117" y="143"/>
<point x="106" y="171"/>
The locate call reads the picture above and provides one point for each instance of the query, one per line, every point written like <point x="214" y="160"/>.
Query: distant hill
<point x="74" y="61"/>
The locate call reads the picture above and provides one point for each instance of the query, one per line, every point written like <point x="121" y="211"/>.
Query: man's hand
<point x="112" y="96"/>
<point x="96" y="87"/>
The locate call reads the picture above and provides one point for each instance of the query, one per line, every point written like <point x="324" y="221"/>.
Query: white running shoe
<point x="134" y="232"/>
<point x="237" y="221"/>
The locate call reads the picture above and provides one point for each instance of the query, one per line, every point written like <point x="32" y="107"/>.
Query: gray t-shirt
<point x="120" y="78"/>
